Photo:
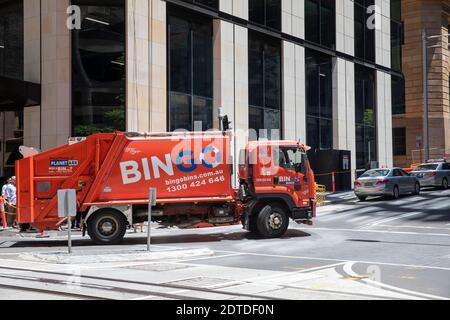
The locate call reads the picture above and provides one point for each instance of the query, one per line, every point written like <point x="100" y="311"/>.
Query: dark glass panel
<point x="214" y="4"/>
<point x="399" y="141"/>
<point x="326" y="134"/>
<point x="273" y="14"/>
<point x="313" y="134"/>
<point x="98" y="71"/>
<point x="180" y="112"/>
<point x="266" y="13"/>
<point x="203" y="112"/>
<point x="257" y="11"/>
<point x="312" y="30"/>
<point x="328" y="23"/>
<point x="396" y="45"/>
<point x="180" y="52"/>
<point x="256" y="74"/>
<point x="11" y="39"/>
<point x="190" y="70"/>
<point x="256" y="116"/>
<point x="202" y="59"/>
<point x="398" y="95"/>
<point x="396" y="10"/>
<point x="272" y="76"/>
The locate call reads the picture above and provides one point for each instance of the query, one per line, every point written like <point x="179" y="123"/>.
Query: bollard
<point x="333" y="182"/>
<point x="3" y="213"/>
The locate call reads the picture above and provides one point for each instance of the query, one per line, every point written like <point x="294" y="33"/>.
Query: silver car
<point x="436" y="174"/>
<point x="387" y="183"/>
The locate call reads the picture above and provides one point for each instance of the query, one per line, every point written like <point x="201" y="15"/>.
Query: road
<point x="379" y="249"/>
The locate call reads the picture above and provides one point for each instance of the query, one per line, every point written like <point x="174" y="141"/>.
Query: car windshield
<point x="375" y="174"/>
<point x="427" y="167"/>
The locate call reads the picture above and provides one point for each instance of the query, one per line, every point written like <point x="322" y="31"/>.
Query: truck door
<point x="291" y="171"/>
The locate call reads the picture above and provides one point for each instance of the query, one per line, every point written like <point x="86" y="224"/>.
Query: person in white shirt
<point x="9" y="194"/>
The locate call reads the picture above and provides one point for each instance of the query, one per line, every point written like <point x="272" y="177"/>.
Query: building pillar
<point x="344" y="127"/>
<point x="383" y="33"/>
<point x="146" y="63"/>
<point x="32" y="69"/>
<point x="345" y="26"/>
<point x="293" y="17"/>
<point x="294" y="98"/>
<point x="231" y="80"/>
<point x="56" y="74"/>
<point x="384" y="120"/>
<point x="237" y="8"/>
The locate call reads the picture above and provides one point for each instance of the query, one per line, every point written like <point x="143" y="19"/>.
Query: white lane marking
<point x="382" y="231"/>
<point x="348" y="268"/>
<point x="387" y="220"/>
<point x="414" y="227"/>
<point x="7" y="244"/>
<point x="340" y="260"/>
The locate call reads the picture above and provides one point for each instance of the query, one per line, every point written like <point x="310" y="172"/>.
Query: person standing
<point x="9" y="193"/>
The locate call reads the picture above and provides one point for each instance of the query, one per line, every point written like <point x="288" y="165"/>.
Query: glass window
<point x="398" y="95"/>
<point x="98" y="70"/>
<point x="266" y="13"/>
<point x="365" y="113"/>
<point x="319" y="100"/>
<point x="364" y="36"/>
<point x="320" y="26"/>
<point x="190" y="71"/>
<point x="399" y="141"/>
<point x="396" y="34"/>
<point x="265" y="84"/>
<point x="11" y="39"/>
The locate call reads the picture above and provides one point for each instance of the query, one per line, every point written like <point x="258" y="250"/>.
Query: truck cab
<point x="276" y="184"/>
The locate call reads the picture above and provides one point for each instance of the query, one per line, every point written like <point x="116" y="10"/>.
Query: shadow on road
<point x="161" y="240"/>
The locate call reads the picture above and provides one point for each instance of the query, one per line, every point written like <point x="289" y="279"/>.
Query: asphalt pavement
<point x="379" y="249"/>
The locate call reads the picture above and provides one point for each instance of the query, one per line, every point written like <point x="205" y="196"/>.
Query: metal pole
<point x="149" y="242"/>
<point x="69" y="224"/>
<point x="426" y="140"/>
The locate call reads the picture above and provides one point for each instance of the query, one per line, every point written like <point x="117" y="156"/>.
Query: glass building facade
<point x="98" y="69"/>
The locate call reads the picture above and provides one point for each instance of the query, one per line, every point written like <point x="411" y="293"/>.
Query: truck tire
<point x="107" y="227"/>
<point x="272" y="221"/>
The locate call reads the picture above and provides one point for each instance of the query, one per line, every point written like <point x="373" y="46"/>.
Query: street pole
<point x="426" y="140"/>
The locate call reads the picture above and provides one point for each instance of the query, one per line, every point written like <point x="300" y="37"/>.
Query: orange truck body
<point x="191" y="172"/>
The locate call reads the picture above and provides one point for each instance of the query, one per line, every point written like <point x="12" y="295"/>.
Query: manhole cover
<point x="157" y="267"/>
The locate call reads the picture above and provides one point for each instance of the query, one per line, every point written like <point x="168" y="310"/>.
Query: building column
<point x="384" y="120"/>
<point x="293" y="17"/>
<point x="32" y="69"/>
<point x="345" y="26"/>
<point x="237" y="8"/>
<point x="231" y="80"/>
<point x="383" y="33"/>
<point x="294" y="98"/>
<point x="56" y="74"/>
<point x="344" y="127"/>
<point x="146" y="66"/>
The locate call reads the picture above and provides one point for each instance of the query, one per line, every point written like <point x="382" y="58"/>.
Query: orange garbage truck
<point x="192" y="172"/>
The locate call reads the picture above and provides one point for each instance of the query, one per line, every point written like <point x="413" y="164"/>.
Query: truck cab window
<point x="290" y="159"/>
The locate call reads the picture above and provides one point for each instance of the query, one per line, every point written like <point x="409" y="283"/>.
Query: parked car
<point x="387" y="183"/>
<point x="434" y="174"/>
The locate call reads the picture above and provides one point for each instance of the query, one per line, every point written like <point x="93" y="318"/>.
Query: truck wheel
<point x="107" y="227"/>
<point x="272" y="222"/>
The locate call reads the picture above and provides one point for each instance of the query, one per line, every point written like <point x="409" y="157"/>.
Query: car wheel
<point x="395" y="193"/>
<point x="362" y="198"/>
<point x="417" y="189"/>
<point x="445" y="183"/>
<point x="272" y="222"/>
